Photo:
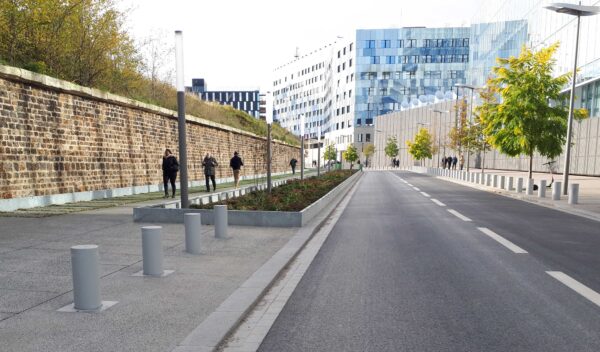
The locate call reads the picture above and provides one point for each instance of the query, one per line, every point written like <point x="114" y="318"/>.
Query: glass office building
<point x="402" y="68"/>
<point x="245" y="100"/>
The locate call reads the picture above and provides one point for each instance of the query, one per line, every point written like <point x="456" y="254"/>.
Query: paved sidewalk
<point x="153" y="314"/>
<point x="589" y="191"/>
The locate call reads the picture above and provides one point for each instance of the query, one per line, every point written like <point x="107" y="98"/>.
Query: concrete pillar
<point x="86" y="277"/>
<point x="529" y="186"/>
<point x="556" y="189"/>
<point x="519" y="184"/>
<point x="495" y="181"/>
<point x="510" y="183"/>
<point x="542" y="189"/>
<point x="573" y="193"/>
<point x="502" y="182"/>
<point x="193" y="227"/>
<point x="220" y="216"/>
<point x="152" y="250"/>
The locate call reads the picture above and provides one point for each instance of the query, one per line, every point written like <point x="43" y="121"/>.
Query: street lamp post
<point x="573" y="10"/>
<point x="472" y="88"/>
<point x="302" y="147"/>
<point x="269" y="120"/>
<point x="440" y="112"/>
<point x="318" y="150"/>
<point x="183" y="171"/>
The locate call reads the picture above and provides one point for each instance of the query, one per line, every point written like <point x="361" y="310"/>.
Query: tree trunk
<point x="531" y="165"/>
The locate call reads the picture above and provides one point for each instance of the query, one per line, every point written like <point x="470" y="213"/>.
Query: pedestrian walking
<point x="454" y="161"/>
<point x="443" y="162"/>
<point x="462" y="161"/>
<point x="209" y="163"/>
<point x="293" y="163"/>
<point x="170" y="167"/>
<point x="236" y="164"/>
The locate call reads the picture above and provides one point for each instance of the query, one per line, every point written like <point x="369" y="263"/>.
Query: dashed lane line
<point x="458" y="215"/>
<point x="425" y="195"/>
<point x="576" y="286"/>
<point x="438" y="202"/>
<point x="503" y="241"/>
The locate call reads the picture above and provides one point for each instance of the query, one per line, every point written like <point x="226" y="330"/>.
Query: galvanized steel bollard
<point x="573" y="193"/>
<point x="152" y="250"/>
<point x="86" y="277"/>
<point x="502" y="182"/>
<point x="495" y="181"/>
<point x="556" y="189"/>
<point x="542" y="189"/>
<point x="193" y="227"/>
<point x="220" y="217"/>
<point x="509" y="185"/>
<point x="529" y="190"/>
<point x="520" y="185"/>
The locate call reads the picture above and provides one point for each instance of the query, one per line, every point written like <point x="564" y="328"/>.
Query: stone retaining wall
<point x="60" y="138"/>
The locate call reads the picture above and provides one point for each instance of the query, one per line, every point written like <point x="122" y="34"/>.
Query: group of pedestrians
<point x="170" y="167"/>
<point x="451" y="161"/>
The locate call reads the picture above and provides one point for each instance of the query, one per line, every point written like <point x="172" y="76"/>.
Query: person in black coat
<point x="170" y="167"/>
<point x="236" y="164"/>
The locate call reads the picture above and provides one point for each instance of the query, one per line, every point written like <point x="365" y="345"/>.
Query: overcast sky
<point x="236" y="44"/>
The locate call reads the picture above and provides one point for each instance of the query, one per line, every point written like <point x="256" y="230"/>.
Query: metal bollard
<point x="86" y="277"/>
<point x="556" y="189"/>
<point x="573" y="193"/>
<point x="193" y="227"/>
<point x="509" y="185"/>
<point x="220" y="217"/>
<point x="529" y="190"/>
<point x="502" y="182"/>
<point x="519" y="184"/>
<point x="542" y="189"/>
<point x="152" y="250"/>
<point x="478" y="178"/>
<point x="495" y="181"/>
<point x="488" y="180"/>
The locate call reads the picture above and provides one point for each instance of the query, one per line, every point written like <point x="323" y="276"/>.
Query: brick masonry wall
<point x="57" y="137"/>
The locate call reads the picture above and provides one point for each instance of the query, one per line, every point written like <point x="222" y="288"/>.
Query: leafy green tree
<point x="350" y="155"/>
<point x="368" y="151"/>
<point x="527" y="118"/>
<point x="391" y="148"/>
<point x="458" y="133"/>
<point x="421" y="148"/>
<point x="330" y="155"/>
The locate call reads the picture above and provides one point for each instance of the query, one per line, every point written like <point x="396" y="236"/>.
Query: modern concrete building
<point x="245" y="100"/>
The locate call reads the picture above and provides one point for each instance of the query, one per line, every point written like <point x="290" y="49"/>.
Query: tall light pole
<point x="440" y="112"/>
<point x="183" y="171"/>
<point x="302" y="147"/>
<point x="573" y="10"/>
<point x="472" y="88"/>
<point x="269" y="120"/>
<point x="318" y="150"/>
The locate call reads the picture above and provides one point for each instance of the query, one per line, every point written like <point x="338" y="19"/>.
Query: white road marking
<point x="416" y="189"/>
<point x="503" y="241"/>
<point x="425" y="194"/>
<point x="458" y="215"/>
<point x="438" y="202"/>
<point x="576" y="286"/>
<point x="409" y="184"/>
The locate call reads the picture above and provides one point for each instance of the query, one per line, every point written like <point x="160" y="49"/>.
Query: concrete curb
<point x="523" y="197"/>
<point x="217" y="327"/>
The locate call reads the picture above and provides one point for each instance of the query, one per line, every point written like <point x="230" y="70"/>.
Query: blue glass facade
<point x="248" y="101"/>
<point x="404" y="67"/>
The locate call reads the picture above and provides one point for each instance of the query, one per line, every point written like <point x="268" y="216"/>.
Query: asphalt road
<point x="400" y="272"/>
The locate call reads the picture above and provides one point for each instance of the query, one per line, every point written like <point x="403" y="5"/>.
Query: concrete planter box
<point x="249" y="217"/>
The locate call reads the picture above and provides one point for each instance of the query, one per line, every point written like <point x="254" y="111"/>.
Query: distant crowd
<point x="450" y="162"/>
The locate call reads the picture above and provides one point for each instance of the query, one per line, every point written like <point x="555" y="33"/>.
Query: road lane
<point x="400" y="273"/>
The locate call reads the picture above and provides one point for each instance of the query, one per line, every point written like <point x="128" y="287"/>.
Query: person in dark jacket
<point x="236" y="164"/>
<point x="293" y="163"/>
<point x="209" y="163"/>
<point x="454" y="161"/>
<point x="170" y="166"/>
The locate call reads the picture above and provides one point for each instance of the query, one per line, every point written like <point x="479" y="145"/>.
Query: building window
<point x="371" y="91"/>
<point x="339" y="54"/>
<point x="375" y="59"/>
<point x="403" y="59"/>
<point x="368" y="135"/>
<point x="386" y="75"/>
<point x="359" y="123"/>
<point x="360" y="136"/>
<point x="344" y="50"/>
<point x="400" y="43"/>
<point x="411" y="43"/>
<point x="350" y="93"/>
<point x="350" y="63"/>
<point x="383" y="91"/>
<point x="414" y="59"/>
<point x="465" y="42"/>
<point x="386" y="43"/>
<point x="351" y="45"/>
<point x="370" y="44"/>
<point x="390" y="60"/>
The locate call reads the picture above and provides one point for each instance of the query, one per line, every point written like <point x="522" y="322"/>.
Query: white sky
<point x="236" y="44"/>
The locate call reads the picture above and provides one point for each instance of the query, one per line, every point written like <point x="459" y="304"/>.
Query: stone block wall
<point x="57" y="137"/>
